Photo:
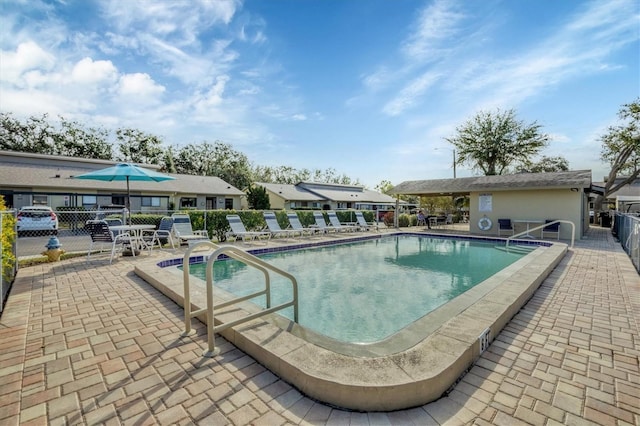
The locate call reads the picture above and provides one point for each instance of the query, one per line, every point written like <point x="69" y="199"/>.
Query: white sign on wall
<point x="485" y="202"/>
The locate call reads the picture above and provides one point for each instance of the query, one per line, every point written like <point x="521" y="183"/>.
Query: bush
<point x="8" y="243"/>
<point x="404" y="220"/>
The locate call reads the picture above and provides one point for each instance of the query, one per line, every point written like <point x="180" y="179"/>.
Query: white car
<point x="37" y="220"/>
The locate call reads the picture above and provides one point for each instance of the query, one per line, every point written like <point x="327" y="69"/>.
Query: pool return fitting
<point x="249" y="260"/>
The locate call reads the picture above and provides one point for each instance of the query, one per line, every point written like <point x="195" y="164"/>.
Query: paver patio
<point x="91" y="343"/>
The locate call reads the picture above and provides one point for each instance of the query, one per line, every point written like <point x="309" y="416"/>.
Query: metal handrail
<point x="573" y="230"/>
<point x="249" y="260"/>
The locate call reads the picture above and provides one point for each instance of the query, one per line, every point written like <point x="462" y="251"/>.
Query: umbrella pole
<point x="128" y="213"/>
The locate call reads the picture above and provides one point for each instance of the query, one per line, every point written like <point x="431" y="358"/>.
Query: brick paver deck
<point x="91" y="343"/>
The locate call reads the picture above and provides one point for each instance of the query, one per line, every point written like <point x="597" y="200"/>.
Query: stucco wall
<point x="532" y="205"/>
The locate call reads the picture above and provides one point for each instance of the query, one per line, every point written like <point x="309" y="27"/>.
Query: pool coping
<point x="387" y="380"/>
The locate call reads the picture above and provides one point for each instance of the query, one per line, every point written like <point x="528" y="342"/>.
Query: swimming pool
<point x="412" y="367"/>
<point x="365" y="291"/>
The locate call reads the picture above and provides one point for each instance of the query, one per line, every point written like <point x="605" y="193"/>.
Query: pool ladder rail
<point x="249" y="260"/>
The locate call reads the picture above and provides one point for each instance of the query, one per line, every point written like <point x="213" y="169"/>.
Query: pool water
<point x="365" y="291"/>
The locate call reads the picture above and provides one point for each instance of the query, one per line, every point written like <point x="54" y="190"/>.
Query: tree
<point x="384" y="187"/>
<point x="621" y="149"/>
<point x="138" y="147"/>
<point x="74" y="140"/>
<point x="545" y="165"/>
<point x="493" y="142"/>
<point x="258" y="198"/>
<point x="38" y="136"/>
<point x="217" y="159"/>
<point x="33" y="136"/>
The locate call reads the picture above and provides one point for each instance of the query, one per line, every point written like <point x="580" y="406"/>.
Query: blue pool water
<point x="365" y="291"/>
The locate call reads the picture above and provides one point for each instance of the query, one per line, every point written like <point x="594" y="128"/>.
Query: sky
<point x="369" y="88"/>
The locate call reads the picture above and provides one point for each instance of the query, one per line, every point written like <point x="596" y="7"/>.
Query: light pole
<point x="454" y="159"/>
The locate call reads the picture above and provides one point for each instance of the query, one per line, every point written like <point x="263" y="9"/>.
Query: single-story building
<point x="528" y="199"/>
<point x="326" y="196"/>
<point x="28" y="179"/>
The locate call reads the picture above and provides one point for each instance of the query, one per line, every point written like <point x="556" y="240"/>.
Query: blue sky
<point x="369" y="88"/>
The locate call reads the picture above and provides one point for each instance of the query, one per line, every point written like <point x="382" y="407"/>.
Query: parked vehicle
<point x="37" y="220"/>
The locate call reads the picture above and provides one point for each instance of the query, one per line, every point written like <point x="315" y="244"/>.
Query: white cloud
<point x="139" y="87"/>
<point x="28" y="56"/>
<point x="88" y="71"/>
<point x="408" y="95"/>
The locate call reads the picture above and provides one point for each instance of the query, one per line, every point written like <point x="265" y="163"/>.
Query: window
<point x="89" y="201"/>
<point x="228" y="203"/>
<point x="40" y="200"/>
<point x="151" y="201"/>
<point x="188" y="202"/>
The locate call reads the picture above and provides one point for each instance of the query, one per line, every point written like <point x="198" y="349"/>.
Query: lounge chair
<point x="239" y="232"/>
<point x="505" y="225"/>
<point x="322" y="225"/>
<point x="274" y="226"/>
<point x="101" y="235"/>
<point x="184" y="232"/>
<point x="364" y="226"/>
<point x="296" y="225"/>
<point x="335" y="222"/>
<point x="551" y="229"/>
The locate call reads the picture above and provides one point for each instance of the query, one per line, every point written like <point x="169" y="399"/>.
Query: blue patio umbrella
<point x="125" y="172"/>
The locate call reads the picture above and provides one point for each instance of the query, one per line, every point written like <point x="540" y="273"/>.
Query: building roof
<point x="524" y="181"/>
<point x="346" y="193"/>
<point x="290" y="192"/>
<point x="57" y="172"/>
<point x="314" y="191"/>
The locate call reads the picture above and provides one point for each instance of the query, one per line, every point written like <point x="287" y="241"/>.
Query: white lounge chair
<point x="296" y="225"/>
<point x="239" y="232"/>
<point x="340" y="227"/>
<point x="184" y="232"/>
<point x="274" y="226"/>
<point x="322" y="225"/>
<point x="362" y="223"/>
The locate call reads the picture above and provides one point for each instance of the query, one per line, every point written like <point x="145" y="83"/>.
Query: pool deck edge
<point x="415" y="376"/>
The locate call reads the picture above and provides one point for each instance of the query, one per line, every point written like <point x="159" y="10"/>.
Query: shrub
<point x="8" y="242"/>
<point x="404" y="220"/>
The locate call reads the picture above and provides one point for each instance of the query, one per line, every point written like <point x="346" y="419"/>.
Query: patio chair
<point x="505" y="225"/>
<point x="101" y="235"/>
<point x="160" y="236"/>
<point x="322" y="225"/>
<point x="238" y="230"/>
<point x="274" y="226"/>
<point x="296" y="225"/>
<point x="184" y="232"/>
<point x="364" y="226"/>
<point x="552" y="229"/>
<point x="335" y="222"/>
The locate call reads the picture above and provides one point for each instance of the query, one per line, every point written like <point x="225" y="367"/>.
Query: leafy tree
<point x="621" y="149"/>
<point x="37" y="135"/>
<point x="74" y="140"/>
<point x="545" y="165"/>
<point x="32" y="136"/>
<point x="139" y="147"/>
<point x="384" y="187"/>
<point x="168" y="165"/>
<point x="493" y="142"/>
<point x="258" y="198"/>
<point x="217" y="159"/>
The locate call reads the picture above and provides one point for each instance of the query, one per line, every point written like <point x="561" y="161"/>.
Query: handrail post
<point x="573" y="231"/>
<point x="246" y="258"/>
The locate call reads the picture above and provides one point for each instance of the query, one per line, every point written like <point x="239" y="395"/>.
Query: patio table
<point x="528" y="222"/>
<point x="135" y="231"/>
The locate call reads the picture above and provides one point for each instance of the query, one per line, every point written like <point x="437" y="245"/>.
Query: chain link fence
<point x="626" y="227"/>
<point x="73" y="234"/>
